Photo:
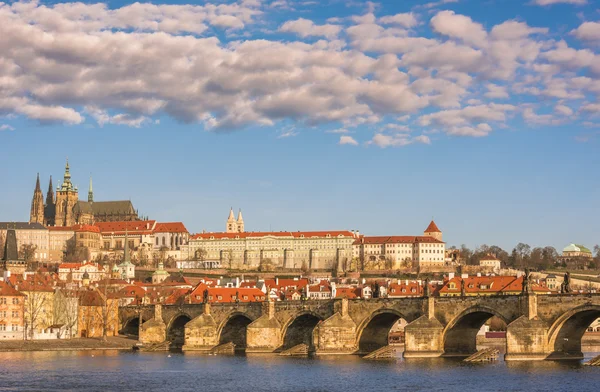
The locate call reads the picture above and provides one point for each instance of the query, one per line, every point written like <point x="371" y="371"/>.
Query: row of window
<point x="3" y="301"/>
<point x="14" y="327"/>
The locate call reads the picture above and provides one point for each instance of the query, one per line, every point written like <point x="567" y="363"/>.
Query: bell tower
<point x="66" y="197"/>
<point x="37" y="204"/>
<point x="231" y="223"/>
<point x="240" y="222"/>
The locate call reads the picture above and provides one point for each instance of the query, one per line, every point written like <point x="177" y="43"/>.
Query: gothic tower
<point x="49" y="210"/>
<point x="231" y="223"/>
<point x="90" y="192"/>
<point x="37" y="204"/>
<point x="240" y="222"/>
<point x="66" y="198"/>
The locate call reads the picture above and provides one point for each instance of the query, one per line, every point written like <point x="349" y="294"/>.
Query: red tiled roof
<point x="91" y="298"/>
<point x="285" y="283"/>
<point x="227" y="294"/>
<point x="397" y="239"/>
<point x="432" y="228"/>
<point x="86" y="228"/>
<point x="494" y="285"/>
<point x="170" y="227"/>
<point x="32" y="283"/>
<point x="490" y="257"/>
<point x="133" y="227"/>
<point x="7" y="291"/>
<point x="69" y="265"/>
<point x="347" y="292"/>
<point x="297" y="234"/>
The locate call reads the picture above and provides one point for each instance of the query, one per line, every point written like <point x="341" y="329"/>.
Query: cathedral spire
<point x="67" y="185"/>
<point x="91" y="192"/>
<point x="50" y="194"/>
<point x="36" y="214"/>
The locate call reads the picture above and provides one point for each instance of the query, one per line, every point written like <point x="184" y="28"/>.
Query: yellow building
<point x="96" y="313"/>
<point x="38" y="301"/>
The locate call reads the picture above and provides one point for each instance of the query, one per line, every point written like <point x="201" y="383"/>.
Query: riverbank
<point x="77" y="344"/>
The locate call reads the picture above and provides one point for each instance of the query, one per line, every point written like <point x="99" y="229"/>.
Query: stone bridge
<point x="538" y="326"/>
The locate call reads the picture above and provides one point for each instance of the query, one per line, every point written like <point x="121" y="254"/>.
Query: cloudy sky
<point x="330" y="114"/>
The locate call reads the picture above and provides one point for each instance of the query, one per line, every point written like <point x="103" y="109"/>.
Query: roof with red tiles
<point x="432" y="228"/>
<point x="170" y="227"/>
<point x="86" y="228"/>
<point x="228" y="295"/>
<point x="285" y="283"/>
<point x="91" y="298"/>
<point x="60" y="228"/>
<point x="397" y="239"/>
<point x="290" y="234"/>
<point x="348" y="292"/>
<point x="7" y="291"/>
<point x="132" y="227"/>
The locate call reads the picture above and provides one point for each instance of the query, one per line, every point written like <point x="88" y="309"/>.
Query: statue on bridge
<point x="565" y="286"/>
<point x="375" y="290"/>
<point x="205" y="296"/>
<point x="426" y="288"/>
<point x="526" y="282"/>
<point x="463" y="292"/>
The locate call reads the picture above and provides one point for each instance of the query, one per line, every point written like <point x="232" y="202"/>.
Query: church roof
<point x="21" y="226"/>
<point x="432" y="228"/>
<point x="170" y="227"/>
<point x="105" y="207"/>
<point x="576" y="248"/>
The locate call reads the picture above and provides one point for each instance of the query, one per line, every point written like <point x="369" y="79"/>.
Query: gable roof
<point x="396" y="239"/>
<point x="7" y="291"/>
<point x="170" y="227"/>
<point x="133" y="227"/>
<point x="259" y="234"/>
<point x="21" y="226"/>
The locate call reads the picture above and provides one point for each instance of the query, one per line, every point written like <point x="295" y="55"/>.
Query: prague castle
<point x="65" y="209"/>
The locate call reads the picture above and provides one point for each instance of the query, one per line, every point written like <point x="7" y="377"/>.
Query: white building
<point x="400" y="251"/>
<point x="491" y="262"/>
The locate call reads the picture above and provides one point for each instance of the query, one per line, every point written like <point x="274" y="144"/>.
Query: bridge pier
<point x="337" y="334"/>
<point x="263" y="335"/>
<point x="154" y="330"/>
<point x="527" y="336"/>
<point x="201" y="334"/>
<point x="423" y="338"/>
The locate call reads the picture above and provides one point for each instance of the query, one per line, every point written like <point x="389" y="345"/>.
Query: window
<point x="15" y="313"/>
<point x="15" y="301"/>
<point x="156" y="240"/>
<point x="15" y="327"/>
<point x="2" y="327"/>
<point x="2" y="301"/>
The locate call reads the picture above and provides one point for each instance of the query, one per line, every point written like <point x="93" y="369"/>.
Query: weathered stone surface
<point x="263" y="335"/>
<point x="201" y="334"/>
<point x="336" y="335"/>
<point x="540" y="326"/>
<point x="153" y="331"/>
<point x="423" y="338"/>
<point x="526" y="339"/>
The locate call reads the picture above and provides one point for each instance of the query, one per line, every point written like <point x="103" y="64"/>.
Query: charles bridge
<point x="538" y="326"/>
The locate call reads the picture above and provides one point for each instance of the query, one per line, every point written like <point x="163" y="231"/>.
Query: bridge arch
<point x="233" y="329"/>
<point x="460" y="335"/>
<point x="564" y="336"/>
<point x="373" y="332"/>
<point x="131" y="327"/>
<point x="176" y="330"/>
<point x="299" y="329"/>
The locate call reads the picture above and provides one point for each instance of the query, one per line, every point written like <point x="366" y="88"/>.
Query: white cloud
<point x="495" y="91"/>
<point x="348" y="140"/>
<point x="384" y="141"/>
<point x="479" y="130"/>
<point x="550" y="2"/>
<point x="339" y="130"/>
<point x="6" y="127"/>
<point x="407" y="20"/>
<point x="102" y="117"/>
<point x="306" y="28"/>
<point x="512" y="30"/>
<point x="459" y="26"/>
<point x="563" y="110"/>
<point x="591" y="107"/>
<point x="588" y="31"/>
<point x="531" y="117"/>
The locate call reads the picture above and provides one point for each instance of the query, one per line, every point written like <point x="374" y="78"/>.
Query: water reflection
<point x="159" y="371"/>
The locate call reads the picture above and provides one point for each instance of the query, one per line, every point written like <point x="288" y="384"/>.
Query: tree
<point x="74" y="253"/>
<point x="38" y="296"/>
<point x="266" y="264"/>
<point x="304" y="268"/>
<point x="66" y="307"/>
<point x="389" y="263"/>
<point x="2" y="240"/>
<point x="466" y="254"/>
<point x="521" y="254"/>
<point x="27" y="252"/>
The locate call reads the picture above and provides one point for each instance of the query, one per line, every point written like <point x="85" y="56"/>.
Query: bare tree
<point x="37" y="299"/>
<point x="266" y="264"/>
<point x="27" y="252"/>
<point x="66" y="309"/>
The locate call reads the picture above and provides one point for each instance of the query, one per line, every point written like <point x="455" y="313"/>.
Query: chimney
<point x="479" y="274"/>
<point x="451" y="275"/>
<point x="464" y="276"/>
<point x="277" y="281"/>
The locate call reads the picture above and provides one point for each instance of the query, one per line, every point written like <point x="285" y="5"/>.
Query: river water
<point x="128" y="371"/>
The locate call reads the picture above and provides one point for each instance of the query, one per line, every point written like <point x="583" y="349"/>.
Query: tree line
<point x="523" y="255"/>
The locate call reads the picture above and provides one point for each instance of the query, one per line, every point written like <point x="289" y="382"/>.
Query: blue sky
<point x="374" y="116"/>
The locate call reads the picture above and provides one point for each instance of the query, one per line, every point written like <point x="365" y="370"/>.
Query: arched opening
<point x="132" y="328"/>
<point x="461" y="335"/>
<point x="176" y="331"/>
<point x="382" y="329"/>
<point x="565" y="336"/>
<point x="300" y="330"/>
<point x="234" y="331"/>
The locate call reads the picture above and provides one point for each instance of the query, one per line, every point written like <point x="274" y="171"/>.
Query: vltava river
<point x="125" y="371"/>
